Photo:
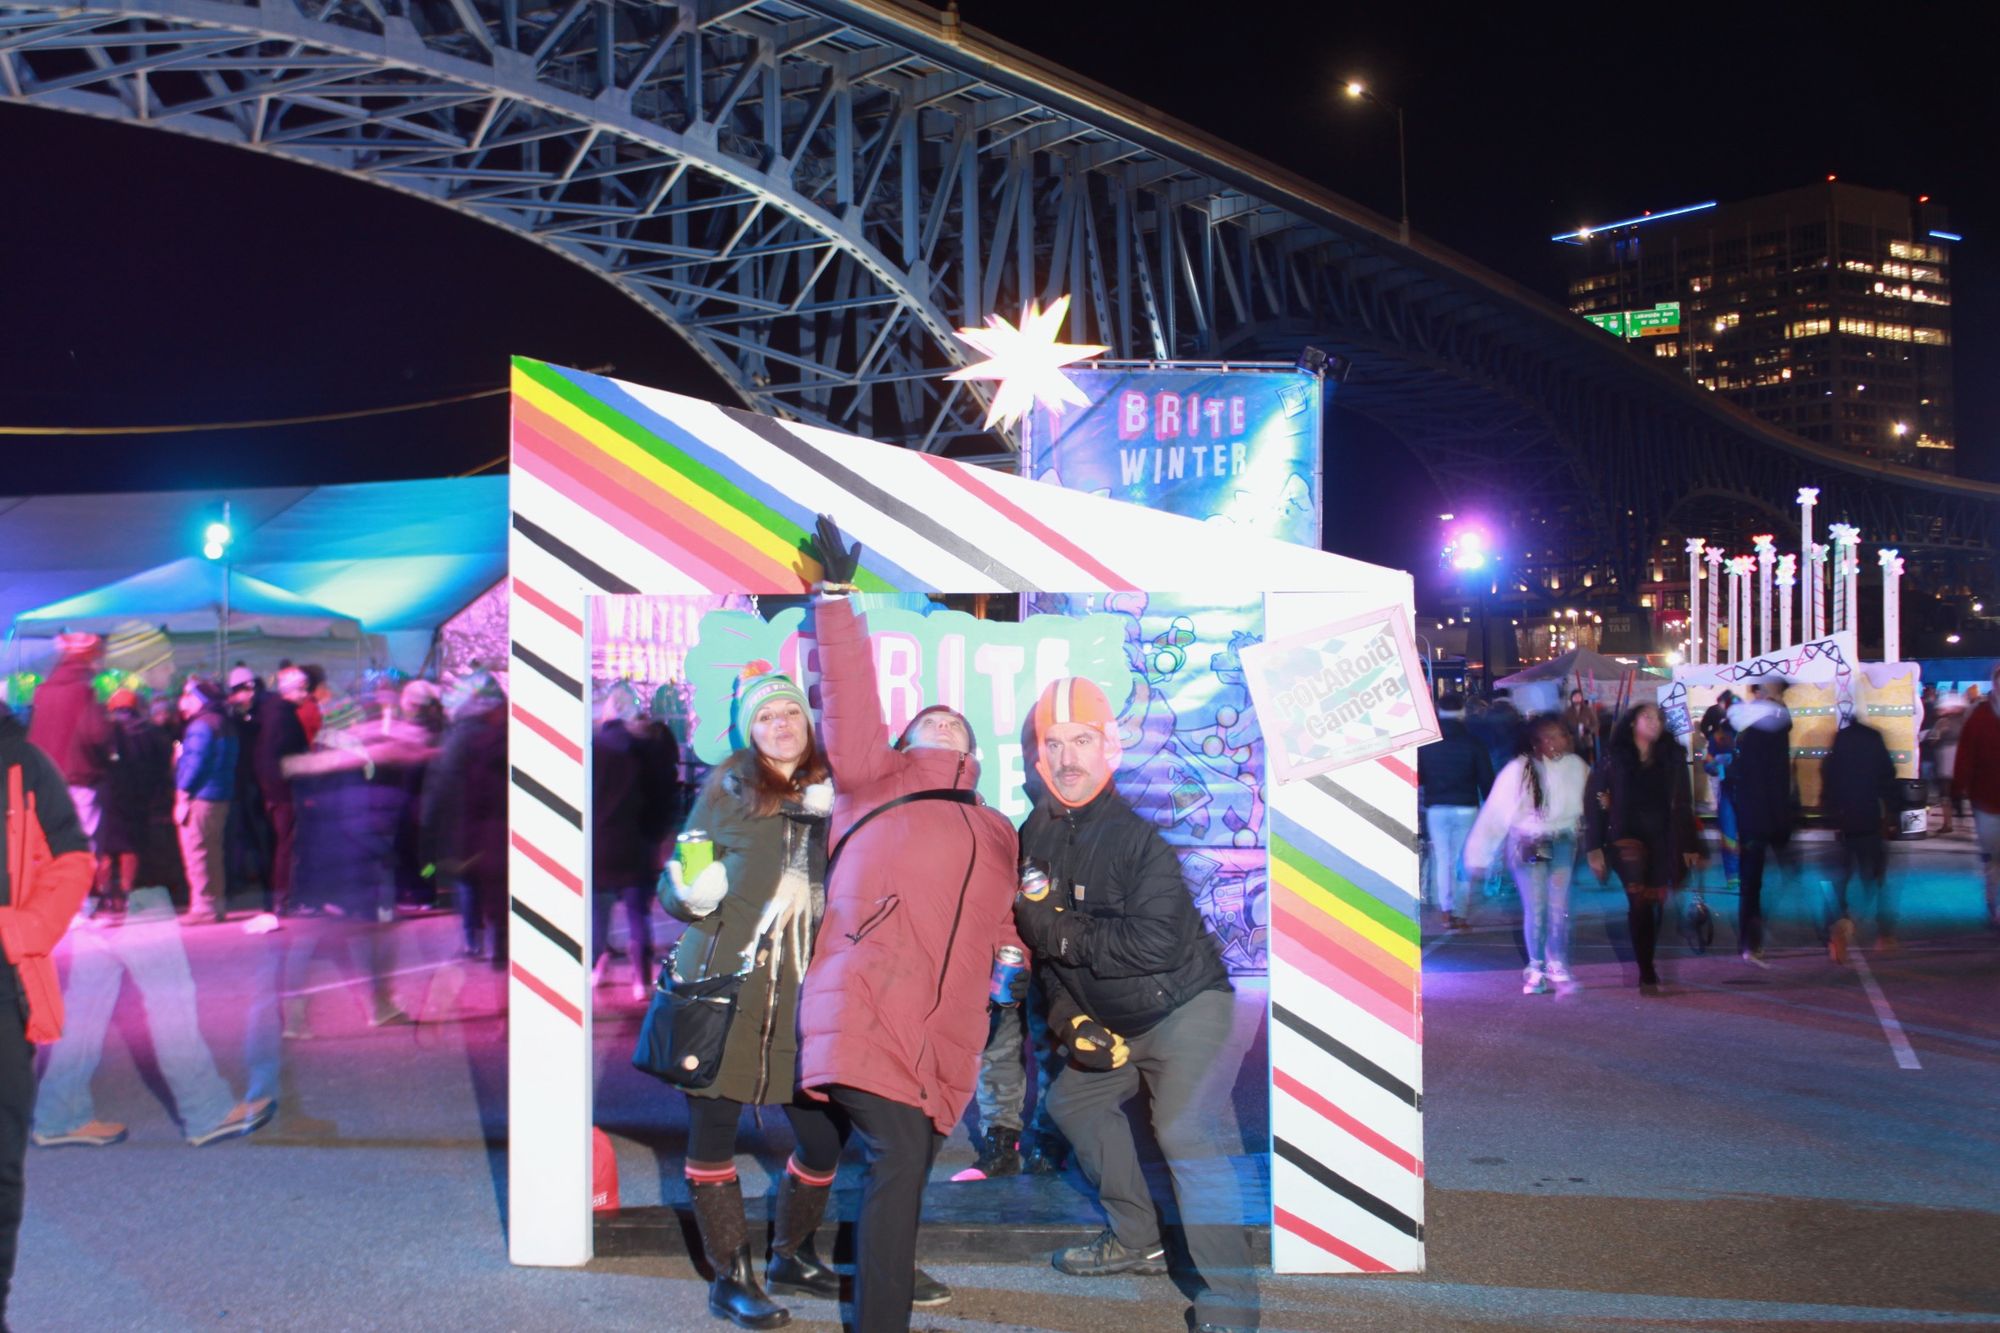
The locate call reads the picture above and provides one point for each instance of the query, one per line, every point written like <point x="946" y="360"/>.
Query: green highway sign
<point x="1663" y="318"/>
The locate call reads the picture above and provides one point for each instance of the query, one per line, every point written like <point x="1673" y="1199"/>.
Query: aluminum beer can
<point x="1009" y="963"/>
<point x="694" y="851"/>
<point x="1034" y="882"/>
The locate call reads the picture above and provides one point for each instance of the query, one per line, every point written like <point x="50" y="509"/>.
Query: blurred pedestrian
<point x="135" y="829"/>
<point x="1720" y="753"/>
<point x="627" y="823"/>
<point x="465" y="813"/>
<point x="1975" y="775"/>
<point x="69" y="724"/>
<point x="1580" y="720"/>
<point x="754" y="909"/>
<point x="1952" y="714"/>
<point x="1532" y="817"/>
<point x="893" y="1012"/>
<point x="45" y="871"/>
<point x="280" y="735"/>
<point x="204" y="778"/>
<point x="1639" y="821"/>
<point x="1759" y="786"/>
<point x="1453" y="775"/>
<point x="247" y="833"/>
<point x="1857" y="792"/>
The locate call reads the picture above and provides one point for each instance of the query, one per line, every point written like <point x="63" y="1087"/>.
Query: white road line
<point x="1435" y="945"/>
<point x="1906" y="1057"/>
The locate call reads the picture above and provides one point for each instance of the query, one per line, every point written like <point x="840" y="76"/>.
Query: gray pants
<point x="1177" y="1062"/>
<point x="1003" y="1069"/>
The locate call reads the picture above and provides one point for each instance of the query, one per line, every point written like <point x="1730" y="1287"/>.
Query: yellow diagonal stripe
<point x="1404" y="951"/>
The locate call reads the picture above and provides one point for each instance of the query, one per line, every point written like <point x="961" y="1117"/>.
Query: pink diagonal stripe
<point x="1012" y="512"/>
<point x="1307" y="1097"/>
<point x="1339" y="1249"/>
<point x="1399" y="768"/>
<point x="1288" y="951"/>
<point x="549" y="733"/>
<point x="548" y="607"/>
<point x="543" y="989"/>
<point x="563" y="876"/>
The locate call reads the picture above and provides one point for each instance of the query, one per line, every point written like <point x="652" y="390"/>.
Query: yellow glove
<point x="1095" y="1047"/>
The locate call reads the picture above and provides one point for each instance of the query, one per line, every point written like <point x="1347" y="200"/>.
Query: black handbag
<point x="687" y="1024"/>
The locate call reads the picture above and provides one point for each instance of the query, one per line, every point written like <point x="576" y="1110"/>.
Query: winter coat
<point x="1613" y="810"/>
<point x="1858" y="779"/>
<point x="45" y="871"/>
<point x="465" y="797"/>
<point x="280" y="735"/>
<point x="1456" y="768"/>
<point x="1759" y="780"/>
<point x="69" y="724"/>
<point x="1146" y="950"/>
<point x="895" y="1000"/>
<point x="135" y="802"/>
<point x="207" y="767"/>
<point x="351" y="800"/>
<point x="635" y="793"/>
<point x="1975" y="771"/>
<point x="760" y="1056"/>
<point x="1510" y="808"/>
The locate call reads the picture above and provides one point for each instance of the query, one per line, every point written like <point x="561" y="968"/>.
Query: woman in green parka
<point x="754" y="909"/>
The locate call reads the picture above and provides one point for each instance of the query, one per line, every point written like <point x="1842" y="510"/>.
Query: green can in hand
<point x="696" y="852"/>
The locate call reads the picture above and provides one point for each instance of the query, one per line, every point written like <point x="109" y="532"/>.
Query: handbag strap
<point x="957" y="795"/>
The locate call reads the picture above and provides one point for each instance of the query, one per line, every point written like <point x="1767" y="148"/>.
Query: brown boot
<point x="795" y="1267"/>
<point x="733" y="1293"/>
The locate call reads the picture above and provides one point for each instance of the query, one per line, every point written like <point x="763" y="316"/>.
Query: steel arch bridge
<point x="814" y="192"/>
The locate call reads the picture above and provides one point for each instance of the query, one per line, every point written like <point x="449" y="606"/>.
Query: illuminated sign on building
<point x="1663" y="318"/>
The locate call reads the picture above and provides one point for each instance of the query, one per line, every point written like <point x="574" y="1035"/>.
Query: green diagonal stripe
<point x="1346" y="890"/>
<point x="703" y="476"/>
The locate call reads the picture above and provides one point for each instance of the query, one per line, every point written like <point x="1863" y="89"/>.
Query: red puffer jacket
<point x="45" y="871"/>
<point x="894" y="1002"/>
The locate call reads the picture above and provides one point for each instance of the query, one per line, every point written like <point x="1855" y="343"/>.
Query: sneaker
<point x="262" y="924"/>
<point x="928" y="1293"/>
<point x="1558" y="975"/>
<point x="1755" y="957"/>
<point x="1106" y="1255"/>
<point x="96" y="1134"/>
<point x="245" y="1118"/>
<point x="1839" y="940"/>
<point x="1533" y="982"/>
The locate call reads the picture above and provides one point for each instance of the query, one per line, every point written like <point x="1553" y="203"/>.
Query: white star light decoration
<point x="1026" y="362"/>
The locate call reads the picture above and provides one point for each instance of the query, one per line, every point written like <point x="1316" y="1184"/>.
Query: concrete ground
<point x="1810" y="1146"/>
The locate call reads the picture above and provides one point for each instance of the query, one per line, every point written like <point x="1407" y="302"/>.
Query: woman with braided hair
<point x="1533" y="814"/>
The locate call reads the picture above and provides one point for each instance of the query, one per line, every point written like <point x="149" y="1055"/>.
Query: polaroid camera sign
<point x="991" y="671"/>
<point x="1335" y="696"/>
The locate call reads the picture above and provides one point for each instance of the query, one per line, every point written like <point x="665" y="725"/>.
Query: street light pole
<point x="1357" y="89"/>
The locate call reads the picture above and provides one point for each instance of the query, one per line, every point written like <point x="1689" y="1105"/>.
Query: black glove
<point x="838" y="559"/>
<point x="1094" y="1047"/>
<point x="1017" y="990"/>
<point x="1048" y="931"/>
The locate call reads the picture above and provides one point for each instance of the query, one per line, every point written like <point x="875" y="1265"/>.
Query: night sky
<point x="146" y="277"/>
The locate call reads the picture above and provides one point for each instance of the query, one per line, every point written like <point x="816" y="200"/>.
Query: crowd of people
<point x="1533" y="797"/>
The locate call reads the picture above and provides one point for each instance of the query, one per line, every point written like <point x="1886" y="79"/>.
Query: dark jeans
<point x="483" y="906"/>
<point x="284" y="844"/>
<point x="1750" y="914"/>
<point x="1867" y="852"/>
<point x="1178" y="1063"/>
<point x="713" y="1121"/>
<point x="1004" y="1066"/>
<point x="638" y="900"/>
<point x="17" y="1104"/>
<point x="898" y="1143"/>
<point x="1642" y="919"/>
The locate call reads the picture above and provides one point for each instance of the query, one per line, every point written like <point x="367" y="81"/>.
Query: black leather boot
<point x="733" y="1294"/>
<point x="795" y="1267"/>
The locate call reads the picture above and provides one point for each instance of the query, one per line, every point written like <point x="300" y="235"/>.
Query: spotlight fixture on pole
<point x="1361" y="92"/>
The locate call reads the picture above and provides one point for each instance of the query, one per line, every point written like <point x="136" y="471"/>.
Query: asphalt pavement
<point x="1806" y="1146"/>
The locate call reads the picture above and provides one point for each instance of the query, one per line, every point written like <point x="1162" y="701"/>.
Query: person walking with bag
<point x="893" y="1014"/>
<point x="1639" y="820"/>
<point x="754" y="908"/>
<point x="1533" y="815"/>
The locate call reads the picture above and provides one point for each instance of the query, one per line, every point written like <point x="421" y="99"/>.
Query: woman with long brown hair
<point x="754" y="907"/>
<point x="1639" y="820"/>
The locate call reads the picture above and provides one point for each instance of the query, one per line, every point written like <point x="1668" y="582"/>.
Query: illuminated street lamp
<point x="1361" y="92"/>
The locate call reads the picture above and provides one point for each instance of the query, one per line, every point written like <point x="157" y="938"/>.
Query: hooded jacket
<point x="70" y="726"/>
<point x="1858" y="779"/>
<point x="45" y="871"/>
<point x="1145" y="950"/>
<point x="895" y="1000"/>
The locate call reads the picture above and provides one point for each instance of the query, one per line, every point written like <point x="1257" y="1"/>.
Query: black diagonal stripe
<point x="1354" y="1060"/>
<point x="548" y="798"/>
<point x="1388" y="823"/>
<point x="774" y="433"/>
<point x="593" y="573"/>
<point x="1348" y="1190"/>
<point x="570" y="684"/>
<point x="549" y="929"/>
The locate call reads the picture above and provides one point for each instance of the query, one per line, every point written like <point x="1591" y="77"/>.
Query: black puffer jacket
<point x="1147" y="951"/>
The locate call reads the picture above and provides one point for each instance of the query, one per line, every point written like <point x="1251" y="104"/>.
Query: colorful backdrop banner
<point x="1339" y="694"/>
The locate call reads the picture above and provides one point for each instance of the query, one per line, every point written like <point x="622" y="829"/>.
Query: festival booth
<point x="644" y="517"/>
<point x="1605" y="681"/>
<point x="200" y="615"/>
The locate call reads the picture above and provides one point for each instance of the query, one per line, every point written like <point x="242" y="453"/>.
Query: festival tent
<point x="1542" y="687"/>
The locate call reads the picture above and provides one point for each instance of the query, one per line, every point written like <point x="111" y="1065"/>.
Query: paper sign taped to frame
<point x="1337" y="695"/>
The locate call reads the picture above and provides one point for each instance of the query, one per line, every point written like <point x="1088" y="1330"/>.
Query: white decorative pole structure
<point x="1739" y="597"/>
<point x="1892" y="603"/>
<point x="1766" y="553"/>
<point x="1808" y="497"/>
<point x="1694" y="549"/>
<point x="1816" y="603"/>
<point x="1853" y="576"/>
<point x="1788" y="574"/>
<point x="1714" y="558"/>
<point x="1844" y="535"/>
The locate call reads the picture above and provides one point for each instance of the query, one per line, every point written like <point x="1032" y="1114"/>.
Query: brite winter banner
<point x="1339" y="694"/>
